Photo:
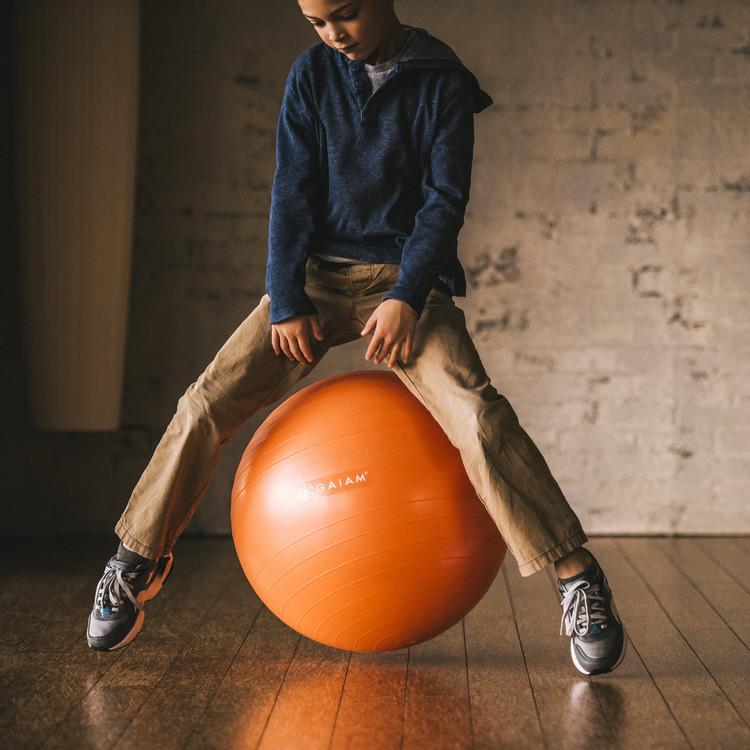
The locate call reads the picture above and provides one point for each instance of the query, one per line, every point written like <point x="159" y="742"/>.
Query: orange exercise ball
<point x="354" y="520"/>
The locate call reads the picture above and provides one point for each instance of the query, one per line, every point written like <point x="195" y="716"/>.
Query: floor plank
<point x="741" y="543"/>
<point x="502" y="702"/>
<point x="724" y="656"/>
<point x="305" y="709"/>
<point x="437" y="693"/>
<point x="102" y="710"/>
<point x="559" y="690"/>
<point x="214" y="668"/>
<point x="631" y="702"/>
<point x="698" y="704"/>
<point x="45" y="673"/>
<point x="730" y="558"/>
<point x="39" y="598"/>
<point x="371" y="711"/>
<point x="238" y="712"/>
<point x="193" y="678"/>
<point x="731" y="602"/>
<point x="48" y="578"/>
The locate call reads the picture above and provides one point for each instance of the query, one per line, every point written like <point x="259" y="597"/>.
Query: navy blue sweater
<point x="380" y="177"/>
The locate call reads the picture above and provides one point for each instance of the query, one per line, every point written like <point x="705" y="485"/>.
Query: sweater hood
<point x="429" y="53"/>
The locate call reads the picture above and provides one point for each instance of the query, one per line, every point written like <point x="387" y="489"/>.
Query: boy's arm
<point x="445" y="183"/>
<point x="296" y="203"/>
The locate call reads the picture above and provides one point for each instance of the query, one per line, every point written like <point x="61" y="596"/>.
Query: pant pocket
<point x="386" y="271"/>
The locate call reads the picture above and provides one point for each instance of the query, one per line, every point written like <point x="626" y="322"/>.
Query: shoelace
<point x="582" y="604"/>
<point x="113" y="585"/>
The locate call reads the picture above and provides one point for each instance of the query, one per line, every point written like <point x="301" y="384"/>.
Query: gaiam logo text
<point x="332" y="484"/>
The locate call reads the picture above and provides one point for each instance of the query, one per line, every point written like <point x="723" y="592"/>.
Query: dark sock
<point x="130" y="557"/>
<point x="585" y="573"/>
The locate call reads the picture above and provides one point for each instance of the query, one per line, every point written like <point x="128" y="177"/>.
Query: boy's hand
<point x="292" y="336"/>
<point x="394" y="322"/>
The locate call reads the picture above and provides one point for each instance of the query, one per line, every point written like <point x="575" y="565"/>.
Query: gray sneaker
<point x="117" y="616"/>
<point x="598" y="642"/>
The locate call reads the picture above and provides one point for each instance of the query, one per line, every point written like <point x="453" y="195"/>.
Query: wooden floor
<point x="213" y="668"/>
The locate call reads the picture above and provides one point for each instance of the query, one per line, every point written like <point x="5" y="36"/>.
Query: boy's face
<point x="362" y="23"/>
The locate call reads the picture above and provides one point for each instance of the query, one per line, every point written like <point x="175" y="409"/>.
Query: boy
<point x="374" y="151"/>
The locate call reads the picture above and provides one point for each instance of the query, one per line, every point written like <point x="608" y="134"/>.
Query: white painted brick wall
<point x="607" y="241"/>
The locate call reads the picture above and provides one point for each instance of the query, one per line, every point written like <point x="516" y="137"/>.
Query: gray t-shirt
<point x="377" y="75"/>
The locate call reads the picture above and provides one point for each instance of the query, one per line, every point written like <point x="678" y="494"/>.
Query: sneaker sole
<point x="142" y="597"/>
<point x="574" y="653"/>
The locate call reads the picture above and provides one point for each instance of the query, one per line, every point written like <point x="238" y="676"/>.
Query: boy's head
<point x="364" y="25"/>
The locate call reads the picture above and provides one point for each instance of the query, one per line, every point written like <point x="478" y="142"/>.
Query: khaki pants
<point x="444" y="372"/>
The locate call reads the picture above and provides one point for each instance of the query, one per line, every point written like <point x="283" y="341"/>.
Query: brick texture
<point x="606" y="247"/>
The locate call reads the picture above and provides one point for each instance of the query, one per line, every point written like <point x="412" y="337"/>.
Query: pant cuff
<point x="541" y="561"/>
<point x="132" y="543"/>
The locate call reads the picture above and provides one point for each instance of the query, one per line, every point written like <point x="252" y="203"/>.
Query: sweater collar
<point x="425" y="52"/>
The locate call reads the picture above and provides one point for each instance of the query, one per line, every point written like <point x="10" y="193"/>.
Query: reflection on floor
<point x="213" y="668"/>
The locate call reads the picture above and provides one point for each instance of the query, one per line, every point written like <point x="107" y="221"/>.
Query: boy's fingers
<point x="394" y="354"/>
<point x="317" y="330"/>
<point x="371" y="347"/>
<point x="384" y="352"/>
<point x="378" y="358"/>
<point x="275" y="340"/>
<point x="402" y="351"/>
<point x="374" y="344"/>
<point x="407" y="349"/>
<point x="304" y="345"/>
<point x="294" y="345"/>
<point x="285" y="347"/>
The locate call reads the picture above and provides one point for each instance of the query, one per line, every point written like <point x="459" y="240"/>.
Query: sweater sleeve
<point x="296" y="204"/>
<point x="445" y="185"/>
